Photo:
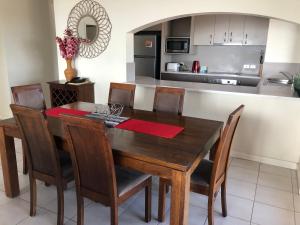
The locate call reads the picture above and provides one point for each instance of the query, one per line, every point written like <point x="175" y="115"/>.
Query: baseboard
<point x="266" y="160"/>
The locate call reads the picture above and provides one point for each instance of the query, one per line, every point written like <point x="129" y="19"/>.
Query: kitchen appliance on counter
<point x="147" y="48"/>
<point x="173" y="67"/>
<point x="196" y="67"/>
<point x="177" y="45"/>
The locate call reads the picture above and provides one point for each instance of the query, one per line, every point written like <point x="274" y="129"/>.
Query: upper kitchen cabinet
<point x="256" y="30"/>
<point x="236" y="29"/>
<point x="180" y="27"/>
<point x="221" y="29"/>
<point x="229" y="29"/>
<point x="204" y="29"/>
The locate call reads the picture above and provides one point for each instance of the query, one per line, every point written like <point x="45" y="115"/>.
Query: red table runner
<point x="56" y="112"/>
<point x="152" y="128"/>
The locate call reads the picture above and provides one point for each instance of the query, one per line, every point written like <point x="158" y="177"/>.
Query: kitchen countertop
<point x="263" y="89"/>
<point x="233" y="75"/>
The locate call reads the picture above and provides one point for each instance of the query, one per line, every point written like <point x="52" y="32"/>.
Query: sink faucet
<point x="287" y="75"/>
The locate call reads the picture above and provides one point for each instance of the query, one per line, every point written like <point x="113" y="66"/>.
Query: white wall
<point x="127" y="15"/>
<point x="29" y="42"/>
<point x="5" y="95"/>
<point x="283" y="42"/>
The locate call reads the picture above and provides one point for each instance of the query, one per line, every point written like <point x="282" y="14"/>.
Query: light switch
<point x="246" y="66"/>
<point x="252" y="66"/>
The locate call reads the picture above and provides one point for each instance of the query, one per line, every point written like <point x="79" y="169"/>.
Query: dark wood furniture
<point x="209" y="176"/>
<point x="31" y="96"/>
<point x="45" y="163"/>
<point x="62" y="94"/>
<point x="121" y="93"/>
<point x="167" y="99"/>
<point x="97" y="178"/>
<point x="174" y="159"/>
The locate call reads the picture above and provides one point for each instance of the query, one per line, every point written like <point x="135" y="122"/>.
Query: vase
<point x="70" y="73"/>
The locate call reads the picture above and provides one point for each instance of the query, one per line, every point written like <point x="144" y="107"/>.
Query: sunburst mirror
<point x="89" y="20"/>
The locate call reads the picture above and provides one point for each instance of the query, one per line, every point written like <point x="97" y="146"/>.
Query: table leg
<point x="9" y="165"/>
<point x="180" y="198"/>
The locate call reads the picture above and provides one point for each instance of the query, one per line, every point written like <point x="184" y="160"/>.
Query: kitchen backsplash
<point x="224" y="58"/>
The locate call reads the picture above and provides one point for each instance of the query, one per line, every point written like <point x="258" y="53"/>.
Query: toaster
<point x="172" y="67"/>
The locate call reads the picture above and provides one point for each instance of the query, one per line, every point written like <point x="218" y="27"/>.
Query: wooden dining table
<point x="174" y="159"/>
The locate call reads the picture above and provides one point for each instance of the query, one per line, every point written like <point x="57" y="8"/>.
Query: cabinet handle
<point x="230" y="39"/>
<point x="231" y="34"/>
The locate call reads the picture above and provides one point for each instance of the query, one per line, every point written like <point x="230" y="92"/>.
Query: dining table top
<point x="178" y="153"/>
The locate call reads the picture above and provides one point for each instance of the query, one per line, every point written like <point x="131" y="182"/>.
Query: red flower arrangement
<point x="69" y="45"/>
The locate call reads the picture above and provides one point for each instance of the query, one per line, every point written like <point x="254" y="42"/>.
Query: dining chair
<point x="168" y="99"/>
<point x="122" y="93"/>
<point x="210" y="176"/>
<point x="45" y="161"/>
<point x="96" y="175"/>
<point x="31" y="96"/>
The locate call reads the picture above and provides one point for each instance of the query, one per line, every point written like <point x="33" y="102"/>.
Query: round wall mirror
<point x="88" y="29"/>
<point x="88" y="20"/>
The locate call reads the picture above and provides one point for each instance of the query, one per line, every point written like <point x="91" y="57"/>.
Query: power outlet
<point x="252" y="66"/>
<point x="246" y="66"/>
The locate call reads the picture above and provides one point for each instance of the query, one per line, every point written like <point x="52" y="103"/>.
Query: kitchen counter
<point x="263" y="89"/>
<point x="233" y="75"/>
<point x="271" y="111"/>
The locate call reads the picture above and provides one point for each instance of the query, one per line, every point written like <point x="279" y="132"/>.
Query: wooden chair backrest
<point x="223" y="150"/>
<point x="92" y="157"/>
<point x="168" y="99"/>
<point x="40" y="149"/>
<point x="122" y="93"/>
<point x="29" y="95"/>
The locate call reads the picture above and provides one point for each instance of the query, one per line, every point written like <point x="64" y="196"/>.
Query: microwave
<point x="177" y="45"/>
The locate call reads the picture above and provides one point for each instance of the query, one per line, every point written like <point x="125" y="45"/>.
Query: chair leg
<point x="162" y="201"/>
<point x="223" y="199"/>
<point x="60" y="205"/>
<point x="148" y="199"/>
<point x="80" y="209"/>
<point x="32" y="184"/>
<point x="211" y="202"/>
<point x="25" y="166"/>
<point x="114" y="214"/>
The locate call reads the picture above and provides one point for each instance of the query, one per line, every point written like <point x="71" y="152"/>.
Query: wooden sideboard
<point x="62" y="93"/>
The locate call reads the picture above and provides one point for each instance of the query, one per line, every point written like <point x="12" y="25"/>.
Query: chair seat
<point x="202" y="174"/>
<point x="127" y="179"/>
<point x="66" y="164"/>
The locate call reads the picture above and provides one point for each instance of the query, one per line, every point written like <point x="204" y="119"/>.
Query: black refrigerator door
<point x="145" y="66"/>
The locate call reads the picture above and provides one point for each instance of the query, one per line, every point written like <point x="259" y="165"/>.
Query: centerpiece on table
<point x="69" y="46"/>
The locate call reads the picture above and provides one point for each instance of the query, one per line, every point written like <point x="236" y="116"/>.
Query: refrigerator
<point x="147" y="50"/>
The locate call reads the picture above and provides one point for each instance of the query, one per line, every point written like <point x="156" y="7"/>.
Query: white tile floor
<point x="258" y="194"/>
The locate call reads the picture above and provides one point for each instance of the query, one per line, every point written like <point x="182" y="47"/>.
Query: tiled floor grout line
<point x="233" y="178"/>
<point x="255" y="193"/>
